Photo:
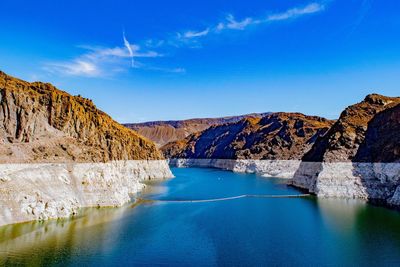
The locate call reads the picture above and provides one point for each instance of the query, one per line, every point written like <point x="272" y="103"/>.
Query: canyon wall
<point x="39" y="191"/>
<point x="163" y="132"/>
<point x="359" y="157"/>
<point x="59" y="153"/>
<point x="276" y="136"/>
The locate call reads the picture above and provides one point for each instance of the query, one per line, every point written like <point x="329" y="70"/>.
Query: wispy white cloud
<point x="75" y="67"/>
<point x="231" y="23"/>
<point x="194" y="34"/>
<point x="296" y="12"/>
<point x="135" y="51"/>
<point x="101" y="61"/>
<point x="166" y="70"/>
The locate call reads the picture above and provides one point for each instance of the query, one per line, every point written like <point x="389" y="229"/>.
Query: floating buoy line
<point x="221" y="199"/>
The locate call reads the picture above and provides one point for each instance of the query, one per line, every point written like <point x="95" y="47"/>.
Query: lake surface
<point x="240" y="232"/>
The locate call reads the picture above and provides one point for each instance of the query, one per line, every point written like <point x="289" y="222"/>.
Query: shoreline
<point x="41" y="191"/>
<point x="373" y="182"/>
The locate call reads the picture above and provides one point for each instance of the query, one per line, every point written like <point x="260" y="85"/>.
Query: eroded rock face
<point x="59" y="153"/>
<point x="343" y="140"/>
<point x="40" y="123"/>
<point x="163" y="132"/>
<point x="41" y="191"/>
<point x="382" y="139"/>
<point x="359" y="157"/>
<point x="279" y="136"/>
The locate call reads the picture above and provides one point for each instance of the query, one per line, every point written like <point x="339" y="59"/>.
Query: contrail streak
<point x="128" y="46"/>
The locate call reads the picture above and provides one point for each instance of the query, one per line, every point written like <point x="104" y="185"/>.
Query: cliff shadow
<point x="306" y="175"/>
<point x="377" y="161"/>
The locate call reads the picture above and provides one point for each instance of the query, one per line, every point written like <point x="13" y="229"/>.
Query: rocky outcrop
<point x="40" y="191"/>
<point x="40" y="123"/>
<point x="59" y="153"/>
<point x="163" y="132"/>
<point x="359" y="156"/>
<point x="382" y="139"/>
<point x="277" y="136"/>
<point x="342" y="141"/>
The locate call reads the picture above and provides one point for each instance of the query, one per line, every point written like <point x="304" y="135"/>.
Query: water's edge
<point x="57" y="190"/>
<point x="368" y="181"/>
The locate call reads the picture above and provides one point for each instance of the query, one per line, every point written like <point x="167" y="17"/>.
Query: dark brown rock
<point x="358" y="128"/>
<point x="382" y="138"/>
<point x="163" y="132"/>
<point x="40" y="123"/>
<point x="274" y="136"/>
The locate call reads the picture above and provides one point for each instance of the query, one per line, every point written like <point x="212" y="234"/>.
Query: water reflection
<point x="36" y="243"/>
<point x="340" y="214"/>
<point x="252" y="232"/>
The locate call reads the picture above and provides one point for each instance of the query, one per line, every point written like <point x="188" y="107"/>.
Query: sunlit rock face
<point x="59" y="153"/>
<point x="40" y="123"/>
<point x="359" y="157"/>
<point x="276" y="136"/>
<point x="164" y="132"/>
<point x="364" y="132"/>
<point x="40" y="191"/>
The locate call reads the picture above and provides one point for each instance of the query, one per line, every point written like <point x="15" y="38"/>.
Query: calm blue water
<point x="242" y="232"/>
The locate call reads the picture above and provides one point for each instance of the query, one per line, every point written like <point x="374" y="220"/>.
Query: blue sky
<point x="159" y="60"/>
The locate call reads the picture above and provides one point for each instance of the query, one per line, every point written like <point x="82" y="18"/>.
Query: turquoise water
<point x="240" y="232"/>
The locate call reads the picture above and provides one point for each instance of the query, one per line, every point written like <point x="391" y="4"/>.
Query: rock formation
<point x="163" y="132"/>
<point x="277" y="136"/>
<point x="382" y="139"/>
<point x="58" y="153"/>
<point x="359" y="156"/>
<point x="40" y="123"/>
<point x="343" y="140"/>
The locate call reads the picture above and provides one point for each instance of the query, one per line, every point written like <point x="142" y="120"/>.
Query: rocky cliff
<point x="348" y="135"/>
<point x="359" y="156"/>
<point x="382" y="138"/>
<point x="40" y="123"/>
<point x="40" y="191"/>
<point x="59" y="153"/>
<point x="163" y="132"/>
<point x="276" y="136"/>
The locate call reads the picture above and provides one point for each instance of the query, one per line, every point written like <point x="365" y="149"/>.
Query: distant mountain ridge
<point x="163" y="132"/>
<point x="274" y="136"/>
